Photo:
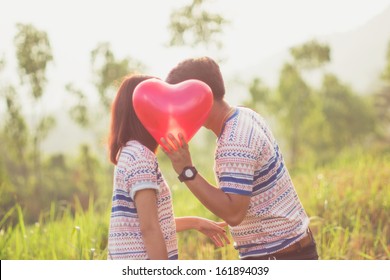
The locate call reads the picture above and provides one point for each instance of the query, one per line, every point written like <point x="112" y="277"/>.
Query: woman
<point x="142" y="224"/>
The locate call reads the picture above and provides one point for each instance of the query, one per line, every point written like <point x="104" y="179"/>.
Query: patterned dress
<point x="137" y="169"/>
<point x="248" y="162"/>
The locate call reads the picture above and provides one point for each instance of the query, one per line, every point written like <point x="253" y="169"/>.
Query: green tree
<point x="15" y="149"/>
<point x="294" y="106"/>
<point x="311" y="55"/>
<point x="192" y="25"/>
<point x="382" y="99"/>
<point x="2" y="64"/>
<point x="79" y="112"/>
<point x="261" y="97"/>
<point x="33" y="52"/>
<point x="88" y="174"/>
<point x="15" y="136"/>
<point x="108" y="70"/>
<point x="350" y="118"/>
<point x="314" y="122"/>
<point x="386" y="71"/>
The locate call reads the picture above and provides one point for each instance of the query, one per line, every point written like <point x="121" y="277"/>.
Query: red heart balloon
<point x="164" y="108"/>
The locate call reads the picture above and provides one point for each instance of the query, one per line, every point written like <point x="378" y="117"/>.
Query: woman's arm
<point x="214" y="230"/>
<point x="146" y="204"/>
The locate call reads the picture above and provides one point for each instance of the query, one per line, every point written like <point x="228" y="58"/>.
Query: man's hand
<point x="178" y="152"/>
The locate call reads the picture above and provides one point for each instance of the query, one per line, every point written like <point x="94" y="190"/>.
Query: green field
<point x="348" y="203"/>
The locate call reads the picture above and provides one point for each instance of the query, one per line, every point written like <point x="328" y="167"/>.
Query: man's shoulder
<point x="249" y="124"/>
<point x="246" y="137"/>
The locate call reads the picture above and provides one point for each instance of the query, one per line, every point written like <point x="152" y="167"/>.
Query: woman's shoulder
<point x="135" y="151"/>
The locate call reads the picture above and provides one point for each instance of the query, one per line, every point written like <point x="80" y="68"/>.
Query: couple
<point x="255" y="194"/>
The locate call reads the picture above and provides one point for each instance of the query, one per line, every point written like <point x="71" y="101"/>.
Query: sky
<point x="257" y="30"/>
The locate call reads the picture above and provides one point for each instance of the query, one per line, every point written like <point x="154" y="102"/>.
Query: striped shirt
<point x="137" y="169"/>
<point x="248" y="162"/>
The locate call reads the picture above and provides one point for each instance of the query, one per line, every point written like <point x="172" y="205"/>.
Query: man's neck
<point x="220" y="112"/>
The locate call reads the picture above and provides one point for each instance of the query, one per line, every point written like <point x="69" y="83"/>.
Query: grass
<point x="58" y="235"/>
<point x="348" y="203"/>
<point x="349" y="206"/>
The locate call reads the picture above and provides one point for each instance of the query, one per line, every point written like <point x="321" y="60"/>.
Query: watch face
<point x="188" y="173"/>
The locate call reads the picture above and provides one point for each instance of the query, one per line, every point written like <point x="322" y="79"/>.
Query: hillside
<point x="358" y="56"/>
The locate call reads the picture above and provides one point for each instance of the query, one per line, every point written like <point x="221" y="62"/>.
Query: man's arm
<point x="232" y="208"/>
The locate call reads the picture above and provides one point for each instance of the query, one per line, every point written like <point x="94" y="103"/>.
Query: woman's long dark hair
<point x="125" y="124"/>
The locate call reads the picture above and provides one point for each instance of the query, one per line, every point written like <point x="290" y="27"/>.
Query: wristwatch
<point x="188" y="173"/>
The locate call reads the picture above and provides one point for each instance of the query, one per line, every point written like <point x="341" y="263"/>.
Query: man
<point x="255" y="194"/>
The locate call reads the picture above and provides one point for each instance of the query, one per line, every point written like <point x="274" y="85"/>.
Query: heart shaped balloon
<point x="164" y="108"/>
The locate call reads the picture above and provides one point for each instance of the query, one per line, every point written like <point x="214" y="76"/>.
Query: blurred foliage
<point x="314" y="122"/>
<point x="56" y="206"/>
<point x="15" y="149"/>
<point x="349" y="117"/>
<point x="386" y="71"/>
<point x="33" y="54"/>
<point x="382" y="101"/>
<point x="2" y="64"/>
<point x="295" y="102"/>
<point x="27" y="176"/>
<point x="109" y="71"/>
<point x="311" y="55"/>
<point x="79" y="112"/>
<point x="194" y="25"/>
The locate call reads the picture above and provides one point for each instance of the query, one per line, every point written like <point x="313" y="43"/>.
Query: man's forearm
<point x="229" y="207"/>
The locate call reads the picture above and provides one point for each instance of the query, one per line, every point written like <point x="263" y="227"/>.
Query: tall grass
<point x="348" y="203"/>
<point x="60" y="234"/>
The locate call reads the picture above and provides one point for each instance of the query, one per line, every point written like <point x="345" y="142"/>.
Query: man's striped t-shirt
<point x="248" y="162"/>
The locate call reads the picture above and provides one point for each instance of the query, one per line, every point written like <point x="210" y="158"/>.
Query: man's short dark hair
<point x="204" y="69"/>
